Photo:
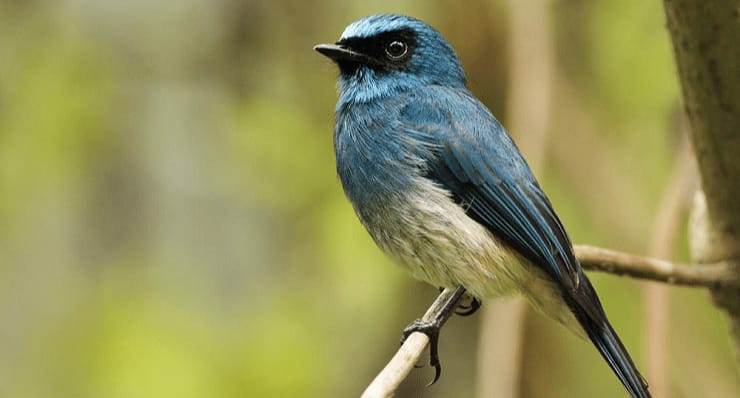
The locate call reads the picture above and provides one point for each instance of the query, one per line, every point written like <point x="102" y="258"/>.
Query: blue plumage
<point x="442" y="188"/>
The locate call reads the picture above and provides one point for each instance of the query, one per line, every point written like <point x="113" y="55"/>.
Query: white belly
<point x="431" y="235"/>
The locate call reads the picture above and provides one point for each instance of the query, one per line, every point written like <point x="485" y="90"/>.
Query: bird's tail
<point x="607" y="342"/>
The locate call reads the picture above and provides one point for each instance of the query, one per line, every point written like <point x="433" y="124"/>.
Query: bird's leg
<point x="431" y="324"/>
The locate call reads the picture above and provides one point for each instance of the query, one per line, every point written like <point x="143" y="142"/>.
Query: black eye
<point x="396" y="49"/>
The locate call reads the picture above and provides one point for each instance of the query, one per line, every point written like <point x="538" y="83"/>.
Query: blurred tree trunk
<point x="671" y="211"/>
<point x="705" y="36"/>
<point x="503" y="323"/>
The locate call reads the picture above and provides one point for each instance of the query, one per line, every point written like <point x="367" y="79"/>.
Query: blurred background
<point x="171" y="224"/>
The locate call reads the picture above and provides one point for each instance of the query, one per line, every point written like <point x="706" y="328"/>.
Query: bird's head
<point x="382" y="54"/>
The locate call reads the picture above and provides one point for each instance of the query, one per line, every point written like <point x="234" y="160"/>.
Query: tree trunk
<point x="706" y="43"/>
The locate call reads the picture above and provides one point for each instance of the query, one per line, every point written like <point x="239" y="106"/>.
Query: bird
<point x="442" y="188"/>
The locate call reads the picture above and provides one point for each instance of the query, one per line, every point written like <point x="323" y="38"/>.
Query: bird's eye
<point x="396" y="49"/>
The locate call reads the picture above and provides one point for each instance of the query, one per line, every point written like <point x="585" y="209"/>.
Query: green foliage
<point x="280" y="158"/>
<point x="56" y="103"/>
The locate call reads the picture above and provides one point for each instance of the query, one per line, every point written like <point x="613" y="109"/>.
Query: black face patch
<point x="386" y="52"/>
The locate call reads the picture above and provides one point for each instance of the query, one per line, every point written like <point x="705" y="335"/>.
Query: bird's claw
<point x="467" y="310"/>
<point x="431" y="329"/>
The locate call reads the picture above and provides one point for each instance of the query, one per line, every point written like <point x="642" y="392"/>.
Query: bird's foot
<point x="469" y="309"/>
<point x="431" y="329"/>
<point x="436" y="316"/>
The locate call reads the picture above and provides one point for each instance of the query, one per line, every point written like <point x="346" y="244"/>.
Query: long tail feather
<point x="611" y="348"/>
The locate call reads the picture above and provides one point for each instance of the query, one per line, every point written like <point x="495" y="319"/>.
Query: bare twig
<point x="718" y="275"/>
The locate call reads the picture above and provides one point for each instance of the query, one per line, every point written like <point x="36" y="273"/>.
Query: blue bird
<point x="442" y="188"/>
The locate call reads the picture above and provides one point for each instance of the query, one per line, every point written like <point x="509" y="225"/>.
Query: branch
<point x="716" y="275"/>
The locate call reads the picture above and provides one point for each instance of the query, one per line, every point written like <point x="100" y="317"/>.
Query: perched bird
<point x="442" y="188"/>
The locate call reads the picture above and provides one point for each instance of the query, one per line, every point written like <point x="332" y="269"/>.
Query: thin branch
<point x="718" y="275"/>
<point x="714" y="276"/>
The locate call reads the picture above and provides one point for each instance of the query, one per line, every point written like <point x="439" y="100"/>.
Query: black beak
<point x="338" y="53"/>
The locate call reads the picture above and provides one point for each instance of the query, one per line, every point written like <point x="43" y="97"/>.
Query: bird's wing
<point x="472" y="156"/>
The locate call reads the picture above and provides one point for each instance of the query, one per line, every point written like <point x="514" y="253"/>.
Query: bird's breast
<point x="372" y="162"/>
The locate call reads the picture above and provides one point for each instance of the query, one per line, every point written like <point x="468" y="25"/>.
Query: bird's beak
<point x="337" y="52"/>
